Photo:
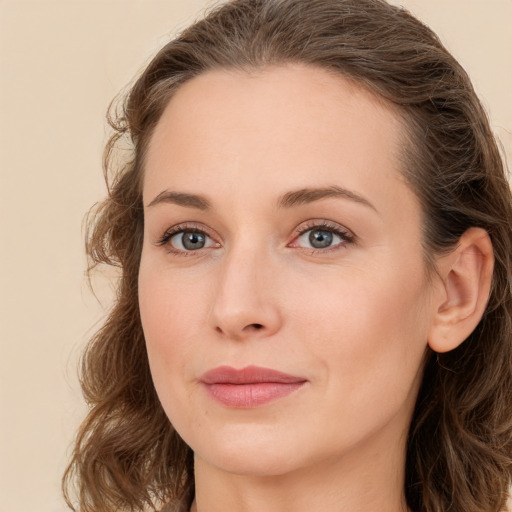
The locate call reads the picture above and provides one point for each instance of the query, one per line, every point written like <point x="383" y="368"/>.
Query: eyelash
<point x="346" y="236"/>
<point x="175" y="230"/>
<point x="315" y="225"/>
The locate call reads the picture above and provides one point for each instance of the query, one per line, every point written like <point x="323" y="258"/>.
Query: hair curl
<point x="127" y="456"/>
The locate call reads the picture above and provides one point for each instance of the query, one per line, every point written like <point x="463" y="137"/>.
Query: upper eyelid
<point x="183" y="228"/>
<point x="323" y="223"/>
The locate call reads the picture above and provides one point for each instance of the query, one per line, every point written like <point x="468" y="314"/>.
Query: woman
<point x="315" y="240"/>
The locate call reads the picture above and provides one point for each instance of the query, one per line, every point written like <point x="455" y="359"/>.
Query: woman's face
<point x="280" y="238"/>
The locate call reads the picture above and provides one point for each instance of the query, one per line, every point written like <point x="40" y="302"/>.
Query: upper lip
<point x="247" y="375"/>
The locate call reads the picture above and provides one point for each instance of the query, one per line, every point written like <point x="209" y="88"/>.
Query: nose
<point x="246" y="302"/>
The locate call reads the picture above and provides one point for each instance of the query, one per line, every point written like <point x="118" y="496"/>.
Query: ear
<point x="465" y="281"/>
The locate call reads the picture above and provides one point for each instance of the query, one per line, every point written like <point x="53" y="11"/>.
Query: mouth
<point x="249" y="387"/>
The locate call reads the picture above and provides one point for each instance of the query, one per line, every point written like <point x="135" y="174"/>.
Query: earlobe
<point x="465" y="281"/>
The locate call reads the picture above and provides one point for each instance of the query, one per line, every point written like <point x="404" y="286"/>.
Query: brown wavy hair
<point x="127" y="456"/>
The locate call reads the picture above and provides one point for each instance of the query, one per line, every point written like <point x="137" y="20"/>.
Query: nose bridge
<point x="245" y="301"/>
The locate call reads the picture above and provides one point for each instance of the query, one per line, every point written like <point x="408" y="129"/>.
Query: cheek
<point x="171" y="314"/>
<point x="369" y="331"/>
<point x="355" y="301"/>
<point x="171" y="303"/>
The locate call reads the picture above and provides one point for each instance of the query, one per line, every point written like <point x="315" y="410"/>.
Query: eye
<point x="323" y="236"/>
<point x="190" y="240"/>
<point x="319" y="239"/>
<point x="182" y="240"/>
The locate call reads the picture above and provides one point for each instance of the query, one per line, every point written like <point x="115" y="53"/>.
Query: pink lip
<point x="250" y="386"/>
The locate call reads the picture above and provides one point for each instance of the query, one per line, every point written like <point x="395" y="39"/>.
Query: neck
<point x="369" y="479"/>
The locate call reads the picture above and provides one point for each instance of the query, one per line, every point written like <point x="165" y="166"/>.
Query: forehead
<point x="268" y="129"/>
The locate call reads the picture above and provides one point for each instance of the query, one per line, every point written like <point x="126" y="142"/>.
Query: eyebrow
<point x="289" y="200"/>
<point x="181" y="199"/>
<point x="309" y="195"/>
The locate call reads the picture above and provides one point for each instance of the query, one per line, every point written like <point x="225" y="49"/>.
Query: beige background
<point x="60" y="64"/>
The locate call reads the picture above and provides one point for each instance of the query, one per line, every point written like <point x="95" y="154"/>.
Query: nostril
<point x="248" y="327"/>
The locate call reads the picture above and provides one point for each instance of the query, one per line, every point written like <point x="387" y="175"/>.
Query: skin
<point x="353" y="319"/>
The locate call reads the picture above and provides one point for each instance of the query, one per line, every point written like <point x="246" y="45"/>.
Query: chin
<point x="269" y="463"/>
<point x="254" y="452"/>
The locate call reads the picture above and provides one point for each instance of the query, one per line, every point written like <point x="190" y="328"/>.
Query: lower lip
<point x="247" y="396"/>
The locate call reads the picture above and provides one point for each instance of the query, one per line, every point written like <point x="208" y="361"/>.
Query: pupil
<point x="193" y="241"/>
<point x="320" y="239"/>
